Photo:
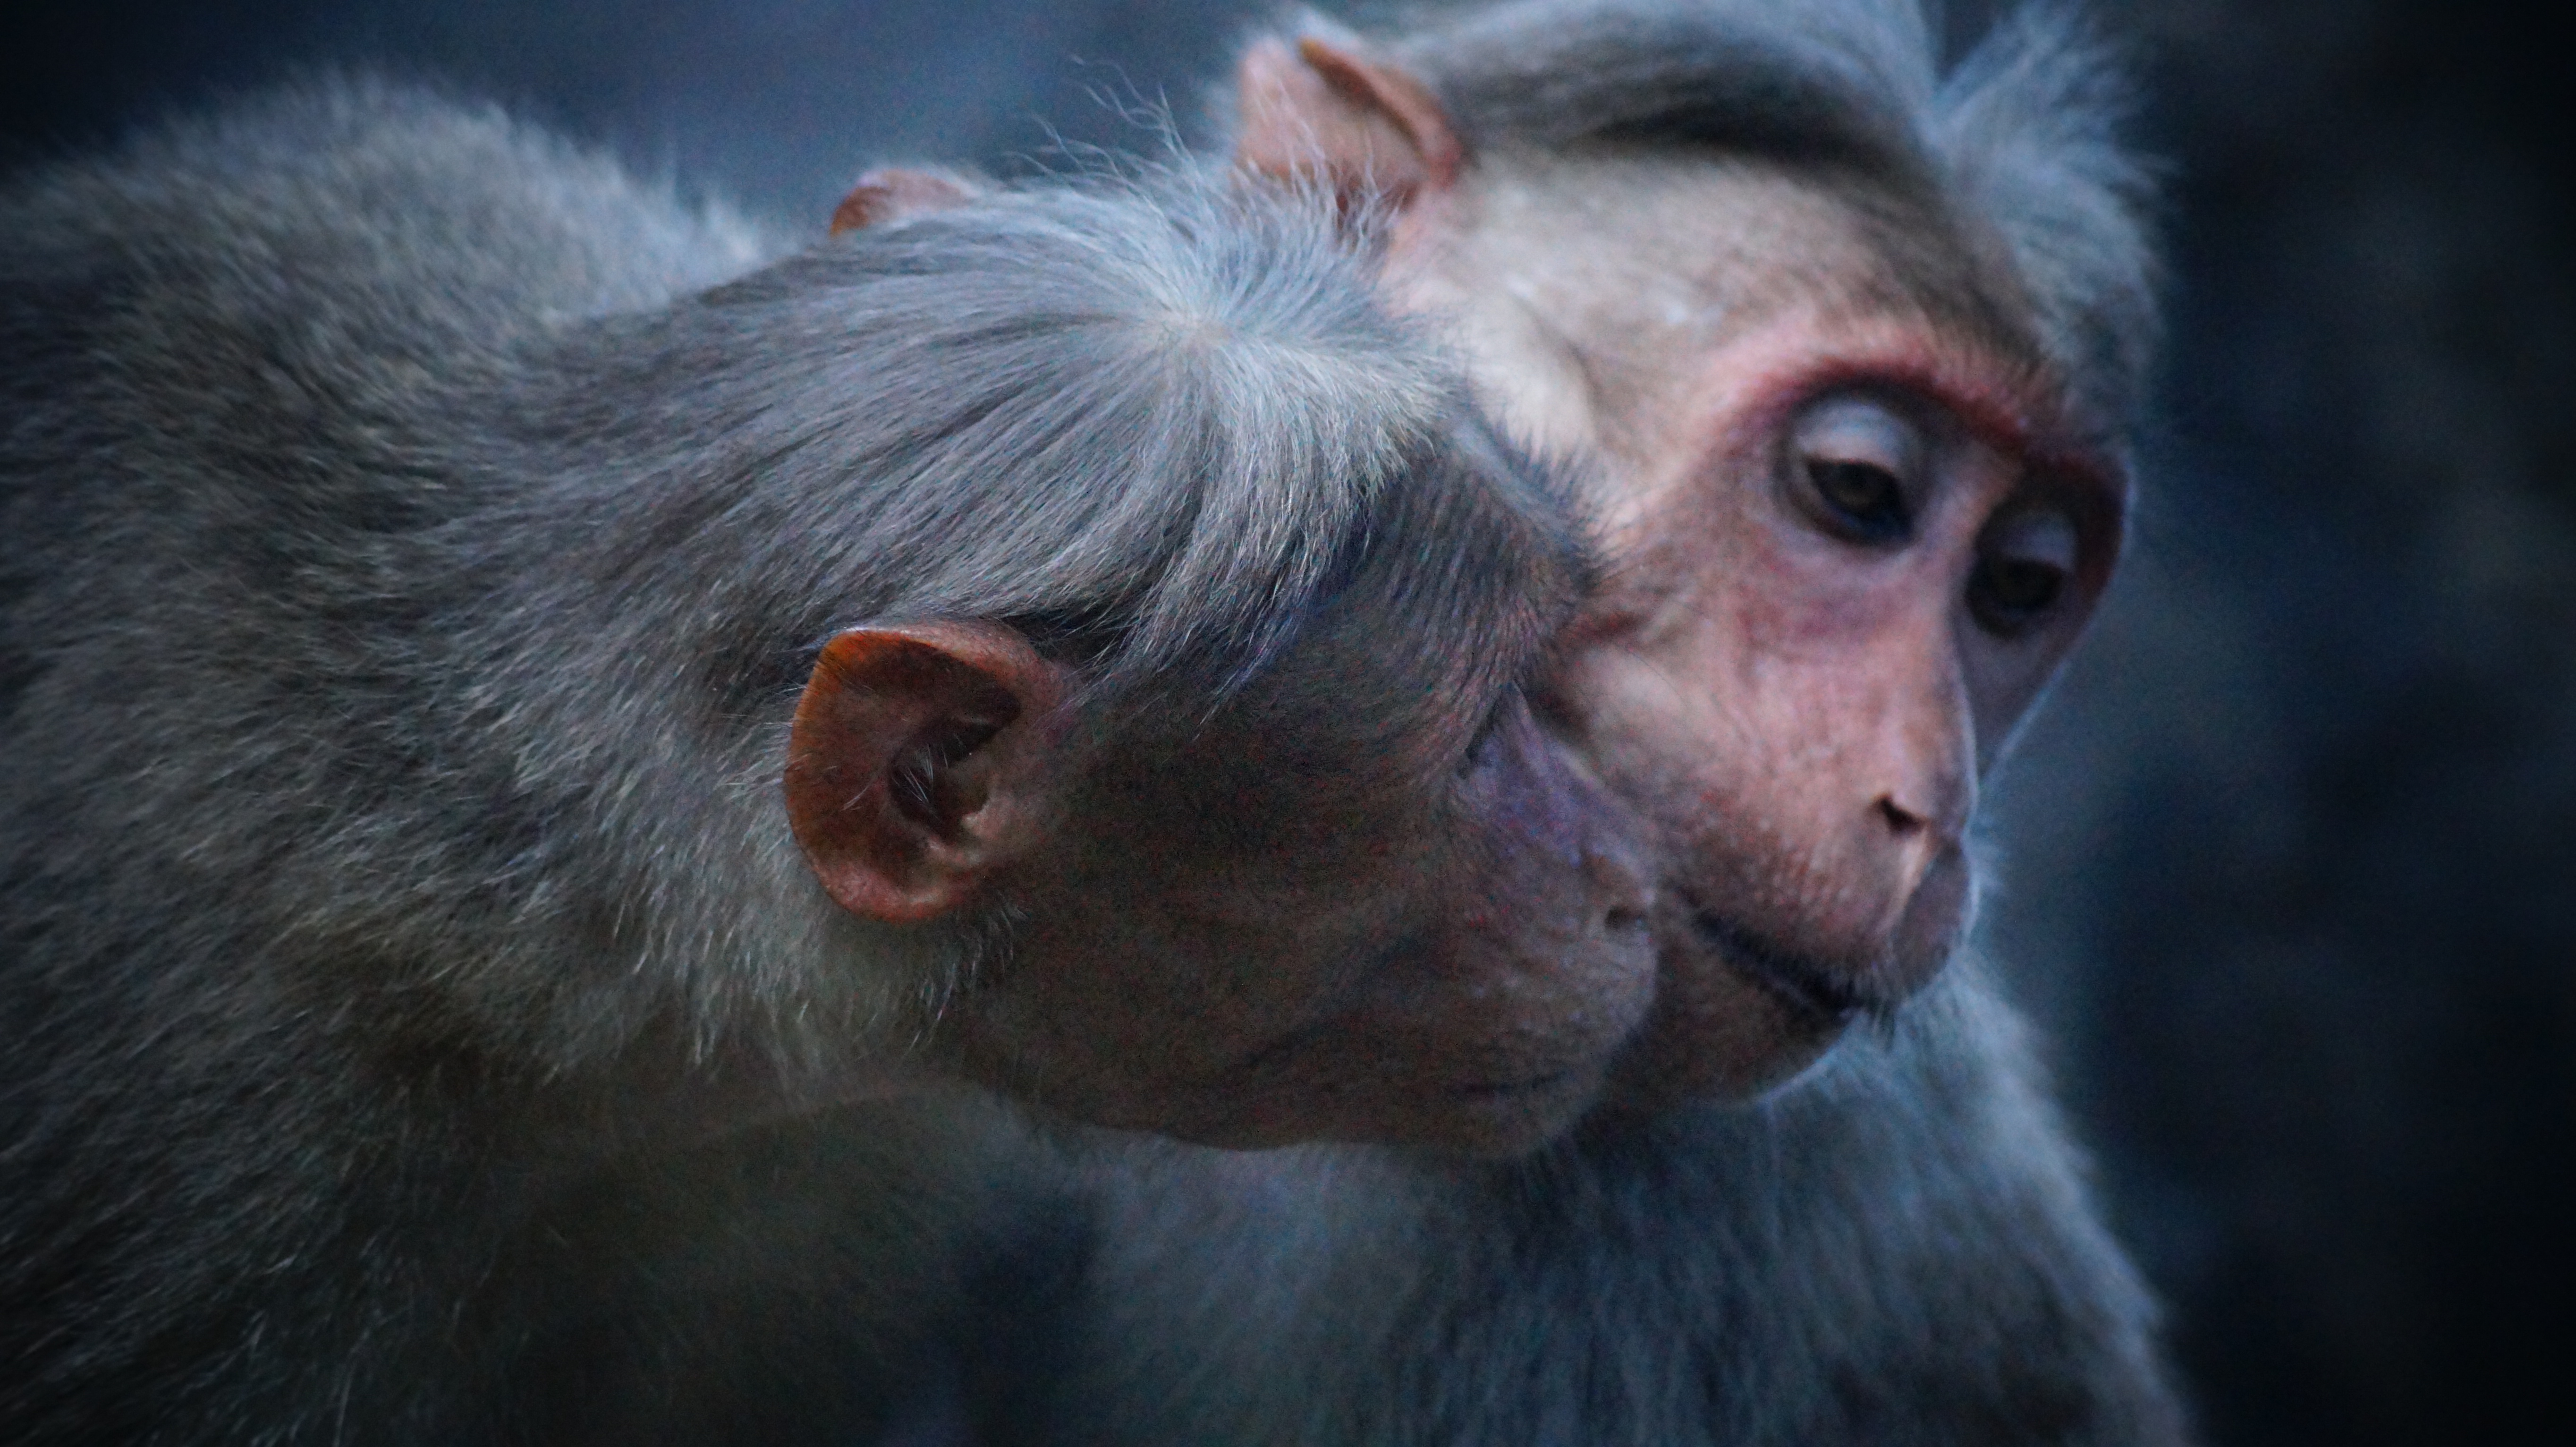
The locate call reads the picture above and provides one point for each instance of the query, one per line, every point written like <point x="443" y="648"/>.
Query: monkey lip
<point x="1811" y="989"/>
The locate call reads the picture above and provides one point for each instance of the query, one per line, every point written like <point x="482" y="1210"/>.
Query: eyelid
<point x="1862" y="429"/>
<point x="1848" y="440"/>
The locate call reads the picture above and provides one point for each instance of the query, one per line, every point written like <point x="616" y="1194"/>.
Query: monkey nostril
<point x="1900" y="819"/>
<point x="1619" y="920"/>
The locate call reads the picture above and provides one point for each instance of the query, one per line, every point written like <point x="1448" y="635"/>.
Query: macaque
<point x="1848" y="349"/>
<point x="526" y="709"/>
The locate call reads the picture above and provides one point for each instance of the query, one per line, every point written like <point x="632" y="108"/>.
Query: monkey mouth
<point x="1808" y="988"/>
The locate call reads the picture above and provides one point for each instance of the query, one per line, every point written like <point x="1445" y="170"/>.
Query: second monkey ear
<point x="1322" y="111"/>
<point x="895" y="193"/>
<point x="919" y="762"/>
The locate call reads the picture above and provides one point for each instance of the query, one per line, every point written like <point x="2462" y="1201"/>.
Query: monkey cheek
<point x="1471" y="1043"/>
<point x="1458" y="1075"/>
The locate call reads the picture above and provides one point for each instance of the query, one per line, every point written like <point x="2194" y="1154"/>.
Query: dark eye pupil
<point x="1865" y="497"/>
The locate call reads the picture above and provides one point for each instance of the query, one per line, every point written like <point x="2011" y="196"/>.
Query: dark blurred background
<point x="2291" y="863"/>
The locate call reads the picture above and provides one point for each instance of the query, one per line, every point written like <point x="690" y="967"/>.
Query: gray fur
<point x="1897" y="1249"/>
<point x="2023" y="135"/>
<point x="413" y="537"/>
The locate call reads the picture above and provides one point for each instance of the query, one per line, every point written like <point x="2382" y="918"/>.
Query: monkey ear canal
<point x="918" y="764"/>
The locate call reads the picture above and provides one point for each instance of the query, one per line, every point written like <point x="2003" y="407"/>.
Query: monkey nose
<point x="1932" y="811"/>
<point x="1912" y="829"/>
<point x="1917" y="784"/>
<point x="1908" y="822"/>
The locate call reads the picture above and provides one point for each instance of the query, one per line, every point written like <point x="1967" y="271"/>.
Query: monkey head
<point x="1347" y="889"/>
<point x="1854" y="516"/>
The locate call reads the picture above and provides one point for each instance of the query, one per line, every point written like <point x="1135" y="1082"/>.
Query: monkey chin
<point x="1497" y="1121"/>
<point x="1332" y="1082"/>
<point x="1738" y="1015"/>
<point x="1476" y="1118"/>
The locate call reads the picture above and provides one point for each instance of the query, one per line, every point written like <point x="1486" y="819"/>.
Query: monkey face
<point x="1853" y="526"/>
<point x="1363" y="895"/>
<point x="1330" y="948"/>
<point x="1851" y="534"/>
<point x="1845" y="582"/>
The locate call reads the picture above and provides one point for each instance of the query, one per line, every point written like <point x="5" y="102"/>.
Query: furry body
<point x="413" y="535"/>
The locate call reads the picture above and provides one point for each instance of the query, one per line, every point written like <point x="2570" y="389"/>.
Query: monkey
<point x="1853" y="346"/>
<point x="530" y="708"/>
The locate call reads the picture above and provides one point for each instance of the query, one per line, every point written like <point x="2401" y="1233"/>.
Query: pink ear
<point x="1322" y="112"/>
<point x="918" y="762"/>
<point x="892" y="193"/>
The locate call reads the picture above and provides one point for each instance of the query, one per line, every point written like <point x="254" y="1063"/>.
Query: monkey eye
<point x="2023" y="564"/>
<point x="1856" y="458"/>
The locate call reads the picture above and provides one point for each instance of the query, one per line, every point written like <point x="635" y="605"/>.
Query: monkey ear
<point x="894" y="193"/>
<point x="918" y="764"/>
<point x="1324" y="111"/>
